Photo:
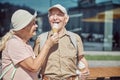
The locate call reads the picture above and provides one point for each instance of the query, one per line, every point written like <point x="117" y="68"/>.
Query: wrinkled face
<point x="56" y="16"/>
<point x="30" y="29"/>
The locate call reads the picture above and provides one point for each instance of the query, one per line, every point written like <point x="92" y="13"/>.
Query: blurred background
<point x="96" y="21"/>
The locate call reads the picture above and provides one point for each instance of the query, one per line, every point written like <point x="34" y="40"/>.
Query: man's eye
<point x="50" y="14"/>
<point x="60" y="14"/>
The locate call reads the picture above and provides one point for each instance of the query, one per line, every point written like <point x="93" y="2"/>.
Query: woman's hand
<point x="53" y="39"/>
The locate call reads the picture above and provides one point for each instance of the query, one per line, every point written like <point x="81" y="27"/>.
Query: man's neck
<point x="62" y="32"/>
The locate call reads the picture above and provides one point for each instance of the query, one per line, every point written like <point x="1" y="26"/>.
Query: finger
<point x="87" y="72"/>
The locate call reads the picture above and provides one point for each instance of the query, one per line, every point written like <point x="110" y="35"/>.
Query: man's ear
<point x="67" y="19"/>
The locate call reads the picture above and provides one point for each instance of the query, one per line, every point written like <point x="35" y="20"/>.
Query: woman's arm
<point x="34" y="64"/>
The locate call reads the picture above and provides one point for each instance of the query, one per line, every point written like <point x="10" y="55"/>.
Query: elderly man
<point x="65" y="58"/>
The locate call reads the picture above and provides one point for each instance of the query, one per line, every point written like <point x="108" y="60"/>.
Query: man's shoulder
<point x="43" y="34"/>
<point x="72" y="33"/>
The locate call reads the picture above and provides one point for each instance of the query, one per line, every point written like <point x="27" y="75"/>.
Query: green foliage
<point x="102" y="57"/>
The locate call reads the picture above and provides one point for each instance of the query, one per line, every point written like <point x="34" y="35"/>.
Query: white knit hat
<point x="21" y="18"/>
<point x="60" y="7"/>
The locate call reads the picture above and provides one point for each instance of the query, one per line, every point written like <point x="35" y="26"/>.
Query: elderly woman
<point x="18" y="59"/>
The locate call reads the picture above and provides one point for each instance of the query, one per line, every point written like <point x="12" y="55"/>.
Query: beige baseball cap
<point x="60" y="7"/>
<point x="21" y="18"/>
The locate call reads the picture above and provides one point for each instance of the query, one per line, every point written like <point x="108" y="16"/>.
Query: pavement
<point x="104" y="63"/>
<point x="112" y="53"/>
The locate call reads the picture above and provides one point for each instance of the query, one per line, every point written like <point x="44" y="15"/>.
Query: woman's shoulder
<point x="14" y="41"/>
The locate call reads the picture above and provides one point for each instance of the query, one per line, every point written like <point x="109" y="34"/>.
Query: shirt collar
<point x="65" y="33"/>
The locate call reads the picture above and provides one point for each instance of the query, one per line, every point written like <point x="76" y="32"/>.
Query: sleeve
<point x="80" y="47"/>
<point x="18" y="51"/>
<point x="81" y="52"/>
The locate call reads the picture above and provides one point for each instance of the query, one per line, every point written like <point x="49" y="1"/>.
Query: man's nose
<point x="55" y="16"/>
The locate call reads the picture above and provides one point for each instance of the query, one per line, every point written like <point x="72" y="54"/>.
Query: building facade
<point x="96" y="21"/>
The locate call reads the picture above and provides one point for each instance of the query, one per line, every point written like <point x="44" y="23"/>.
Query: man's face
<point x="56" y="16"/>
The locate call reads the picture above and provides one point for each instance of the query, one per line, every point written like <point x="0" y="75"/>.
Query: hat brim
<point x="56" y="8"/>
<point x="59" y="7"/>
<point x="28" y="21"/>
